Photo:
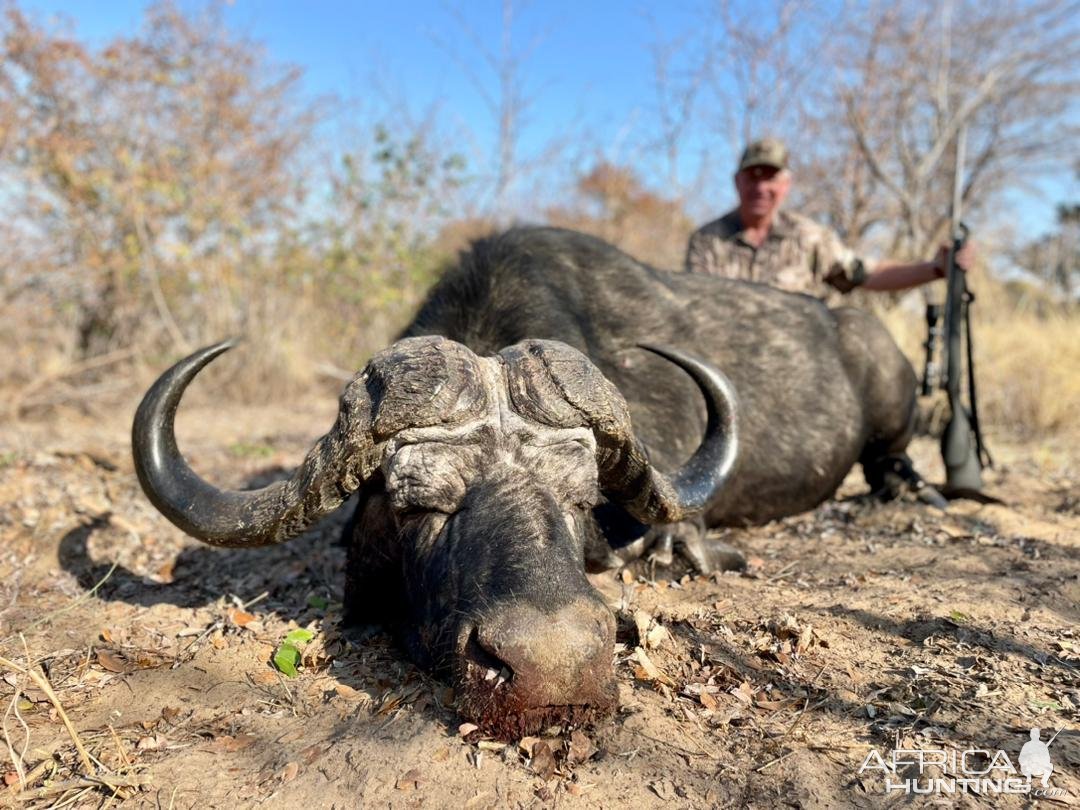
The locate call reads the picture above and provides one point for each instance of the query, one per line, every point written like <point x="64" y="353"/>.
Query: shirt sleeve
<point x="838" y="264"/>
<point x="696" y="254"/>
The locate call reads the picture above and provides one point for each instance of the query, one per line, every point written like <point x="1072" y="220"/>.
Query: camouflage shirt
<point x="798" y="255"/>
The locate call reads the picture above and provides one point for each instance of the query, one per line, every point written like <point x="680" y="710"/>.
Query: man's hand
<point x="964" y="259"/>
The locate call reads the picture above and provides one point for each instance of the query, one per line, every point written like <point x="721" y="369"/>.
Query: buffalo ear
<point x="374" y="587"/>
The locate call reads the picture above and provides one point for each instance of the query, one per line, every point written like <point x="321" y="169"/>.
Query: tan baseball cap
<point x="766" y="152"/>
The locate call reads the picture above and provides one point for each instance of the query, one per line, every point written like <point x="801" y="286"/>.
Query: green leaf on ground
<point x="287" y="657"/>
<point x="299" y="636"/>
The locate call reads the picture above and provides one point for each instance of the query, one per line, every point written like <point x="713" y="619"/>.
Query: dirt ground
<point x="860" y="628"/>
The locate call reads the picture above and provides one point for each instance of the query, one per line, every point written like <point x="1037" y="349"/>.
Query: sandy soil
<point x="860" y="627"/>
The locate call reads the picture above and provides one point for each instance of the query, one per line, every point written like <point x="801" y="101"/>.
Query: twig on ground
<point x="773" y="761"/>
<point x="119" y="746"/>
<point x="17" y="758"/>
<point x="806" y="705"/>
<point x="783" y="571"/>
<point x="43" y="684"/>
<point x="37" y="771"/>
<point x="217" y="624"/>
<point x="679" y="748"/>
<point x="90" y="782"/>
<point x="75" y="796"/>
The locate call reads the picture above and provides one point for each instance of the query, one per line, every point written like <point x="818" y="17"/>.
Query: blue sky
<point x="590" y="72"/>
<point x="590" y="68"/>
<point x="590" y="55"/>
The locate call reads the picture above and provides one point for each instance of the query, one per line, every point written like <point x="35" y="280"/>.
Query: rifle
<point x="962" y="447"/>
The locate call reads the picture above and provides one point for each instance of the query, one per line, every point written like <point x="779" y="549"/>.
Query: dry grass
<point x="1027" y="358"/>
<point x="308" y="338"/>
<point x="294" y="342"/>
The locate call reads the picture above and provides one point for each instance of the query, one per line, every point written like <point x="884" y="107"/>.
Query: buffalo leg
<point x="886" y="385"/>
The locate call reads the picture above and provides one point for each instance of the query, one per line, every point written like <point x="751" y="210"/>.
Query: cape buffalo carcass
<point x="519" y="433"/>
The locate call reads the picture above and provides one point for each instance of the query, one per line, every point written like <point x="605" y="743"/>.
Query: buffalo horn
<point x="628" y="477"/>
<point x="335" y="467"/>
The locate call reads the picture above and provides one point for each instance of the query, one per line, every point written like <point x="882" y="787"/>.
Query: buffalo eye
<point x="426" y="477"/>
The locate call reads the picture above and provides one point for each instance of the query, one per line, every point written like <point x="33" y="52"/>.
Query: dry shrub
<point x="612" y="203"/>
<point x="298" y="337"/>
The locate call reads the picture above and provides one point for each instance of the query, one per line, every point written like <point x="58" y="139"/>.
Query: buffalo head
<point x="479" y="476"/>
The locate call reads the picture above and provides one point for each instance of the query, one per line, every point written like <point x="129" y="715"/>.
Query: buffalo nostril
<point x="486" y="660"/>
<point x="550" y="658"/>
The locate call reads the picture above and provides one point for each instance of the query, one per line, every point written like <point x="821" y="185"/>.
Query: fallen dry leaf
<point x="665" y="789"/>
<point x="289" y="772"/>
<point x="229" y="745"/>
<point x="241" y="618"/>
<point x="656" y="636"/>
<point x="112" y="662"/>
<point x="165" y="572"/>
<point x="786" y="627"/>
<point x="806" y="638"/>
<point x="543" y="760"/>
<point x="646" y="670"/>
<point x="345" y="691"/>
<point x="581" y="748"/>
<point x="150" y="743"/>
<point x="744" y="692"/>
<point x="708" y="701"/>
<point x="642" y="620"/>
<point x="955" y="531"/>
<point x="526" y="745"/>
<point x="410" y="780"/>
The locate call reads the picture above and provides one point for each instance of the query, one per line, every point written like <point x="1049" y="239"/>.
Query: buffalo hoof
<point x="893" y="478"/>
<point x="674" y="549"/>
<point x="931" y="497"/>
<point x="709" y="555"/>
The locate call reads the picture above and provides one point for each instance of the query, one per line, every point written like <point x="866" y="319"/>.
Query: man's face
<point x="761" y="190"/>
